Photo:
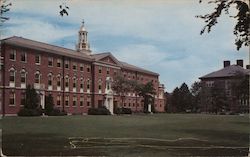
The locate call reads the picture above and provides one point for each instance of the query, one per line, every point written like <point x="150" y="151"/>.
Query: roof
<point x="228" y="71"/>
<point x="23" y="42"/>
<point x="132" y="67"/>
<point x="44" y="47"/>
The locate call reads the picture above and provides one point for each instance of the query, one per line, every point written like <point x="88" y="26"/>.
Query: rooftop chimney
<point x="240" y="62"/>
<point x="226" y="63"/>
<point x="248" y="66"/>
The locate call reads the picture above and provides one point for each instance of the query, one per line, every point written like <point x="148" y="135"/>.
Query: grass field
<point x="135" y="135"/>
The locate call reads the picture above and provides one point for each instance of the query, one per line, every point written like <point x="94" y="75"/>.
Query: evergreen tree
<point x="49" y="104"/>
<point x="185" y="98"/>
<point x="219" y="99"/>
<point x="32" y="99"/>
<point x="196" y="91"/>
<point x="175" y="100"/>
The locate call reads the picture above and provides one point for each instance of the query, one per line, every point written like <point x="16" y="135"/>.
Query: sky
<point x="159" y="35"/>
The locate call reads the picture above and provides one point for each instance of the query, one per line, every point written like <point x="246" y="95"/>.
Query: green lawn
<point x="135" y="135"/>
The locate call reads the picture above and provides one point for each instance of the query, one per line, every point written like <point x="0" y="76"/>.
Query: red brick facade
<point x="76" y="81"/>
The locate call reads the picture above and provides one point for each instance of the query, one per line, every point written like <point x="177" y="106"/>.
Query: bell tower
<point x="83" y="45"/>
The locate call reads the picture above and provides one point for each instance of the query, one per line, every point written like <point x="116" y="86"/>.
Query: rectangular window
<point x="88" y="69"/>
<point x="100" y="70"/>
<point x="81" y="67"/>
<point x="22" y="98"/>
<point x="67" y="101"/>
<point x="74" y="100"/>
<point x="12" y="98"/>
<point x="13" y="55"/>
<point x="59" y="63"/>
<point x="88" y="103"/>
<point x="50" y="62"/>
<point x="23" y="57"/>
<point x="74" y="66"/>
<point x="58" y="100"/>
<point x="115" y="72"/>
<point x="50" y="80"/>
<point x="108" y="71"/>
<point x="38" y="59"/>
<point x="66" y="64"/>
<point x="81" y="101"/>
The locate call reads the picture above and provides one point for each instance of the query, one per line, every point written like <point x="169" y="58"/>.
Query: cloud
<point x="37" y="30"/>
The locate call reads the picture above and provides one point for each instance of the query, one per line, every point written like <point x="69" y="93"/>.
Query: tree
<point x="240" y="91"/>
<point x="49" y="104"/>
<point x="185" y="98"/>
<point x="31" y="104"/>
<point x="63" y="9"/>
<point x="4" y="8"/>
<point x="175" y="100"/>
<point x="147" y="91"/>
<point x="241" y="29"/>
<point x="121" y="87"/>
<point x="219" y="102"/>
<point x="32" y="99"/>
<point x="196" y="90"/>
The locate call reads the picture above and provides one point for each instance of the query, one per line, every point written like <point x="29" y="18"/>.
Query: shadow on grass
<point x="221" y="137"/>
<point x="55" y="145"/>
<point x="42" y="145"/>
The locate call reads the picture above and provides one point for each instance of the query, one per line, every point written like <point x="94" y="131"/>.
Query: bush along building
<point x="226" y="90"/>
<point x="76" y="79"/>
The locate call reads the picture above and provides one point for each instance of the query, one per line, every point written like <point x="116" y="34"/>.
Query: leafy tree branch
<point x="241" y="29"/>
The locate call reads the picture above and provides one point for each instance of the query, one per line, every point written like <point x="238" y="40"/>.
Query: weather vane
<point x="83" y="22"/>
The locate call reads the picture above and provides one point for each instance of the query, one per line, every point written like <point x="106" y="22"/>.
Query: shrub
<point x="99" y="111"/>
<point x="56" y="112"/>
<point x="29" y="112"/>
<point x="123" y="110"/>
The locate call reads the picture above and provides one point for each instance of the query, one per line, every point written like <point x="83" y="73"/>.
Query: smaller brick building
<point x="229" y="85"/>
<point x="77" y="79"/>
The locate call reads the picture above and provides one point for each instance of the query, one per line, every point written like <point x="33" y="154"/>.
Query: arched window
<point x="12" y="75"/>
<point x="37" y="77"/>
<point x="50" y="79"/>
<point x="88" y="84"/>
<point x="66" y="81"/>
<point x="23" y="76"/>
<point x="58" y="80"/>
<point x="100" y="84"/>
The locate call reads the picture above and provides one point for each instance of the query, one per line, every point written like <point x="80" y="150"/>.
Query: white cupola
<point x="83" y="45"/>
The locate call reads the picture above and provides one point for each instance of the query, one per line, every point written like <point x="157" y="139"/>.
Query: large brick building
<point x="77" y="79"/>
<point x="226" y="90"/>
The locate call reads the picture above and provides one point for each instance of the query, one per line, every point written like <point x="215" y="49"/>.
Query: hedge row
<point x="99" y="111"/>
